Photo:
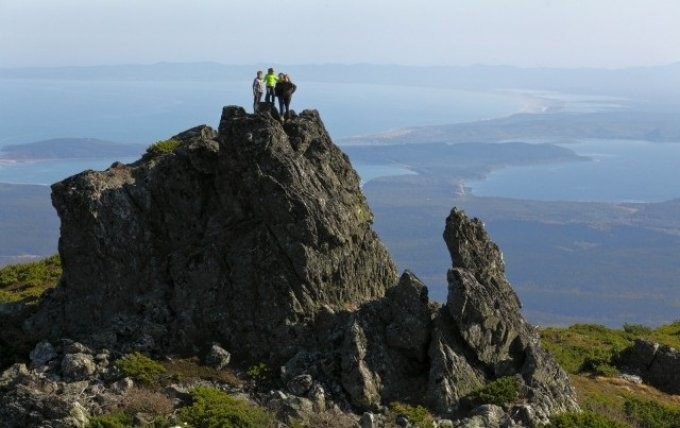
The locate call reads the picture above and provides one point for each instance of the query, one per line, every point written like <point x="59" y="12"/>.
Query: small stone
<point x="299" y="385"/>
<point x="42" y="354"/>
<point x="631" y="378"/>
<point x="218" y="358"/>
<point x="318" y="396"/>
<point x="122" y="385"/>
<point x="78" y="366"/>
<point x="297" y="407"/>
<point x="367" y="420"/>
<point x="402" y="421"/>
<point x="13" y="374"/>
<point x="74" y="388"/>
<point x="76" y="348"/>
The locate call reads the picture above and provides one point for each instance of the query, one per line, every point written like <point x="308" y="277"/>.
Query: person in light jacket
<point x="259" y="86"/>
<point x="270" y="79"/>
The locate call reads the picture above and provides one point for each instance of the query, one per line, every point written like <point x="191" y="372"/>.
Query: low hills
<point x="67" y="148"/>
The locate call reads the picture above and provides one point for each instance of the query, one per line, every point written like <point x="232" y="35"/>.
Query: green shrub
<point x="124" y="420"/>
<point x="637" y="329"/>
<point x="600" y="366"/>
<point x="162" y="147"/>
<point x="28" y="281"/>
<point x="668" y="334"/>
<point x="418" y="416"/>
<point x="650" y="414"/>
<point x="141" y="368"/>
<point x="501" y="391"/>
<point x="585" y="419"/>
<point x="212" y="408"/>
<point x="259" y="372"/>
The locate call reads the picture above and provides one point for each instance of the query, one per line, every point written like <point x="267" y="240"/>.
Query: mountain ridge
<point x="69" y="147"/>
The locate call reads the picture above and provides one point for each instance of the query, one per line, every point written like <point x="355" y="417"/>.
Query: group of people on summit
<point x="274" y="86"/>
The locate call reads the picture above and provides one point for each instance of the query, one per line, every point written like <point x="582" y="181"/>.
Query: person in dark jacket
<point x="282" y="78"/>
<point x="284" y="90"/>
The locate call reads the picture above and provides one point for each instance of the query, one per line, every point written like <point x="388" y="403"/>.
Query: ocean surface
<point x="144" y="112"/>
<point x="618" y="171"/>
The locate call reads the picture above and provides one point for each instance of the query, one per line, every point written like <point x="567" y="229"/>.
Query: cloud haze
<point x="551" y="33"/>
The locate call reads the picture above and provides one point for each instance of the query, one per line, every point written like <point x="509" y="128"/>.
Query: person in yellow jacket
<point x="270" y="80"/>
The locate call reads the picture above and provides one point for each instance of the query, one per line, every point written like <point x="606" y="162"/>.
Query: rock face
<point x="486" y="312"/>
<point x="238" y="237"/>
<point x="257" y="237"/>
<point x="657" y="365"/>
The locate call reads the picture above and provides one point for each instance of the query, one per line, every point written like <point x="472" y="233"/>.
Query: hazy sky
<point x="553" y="33"/>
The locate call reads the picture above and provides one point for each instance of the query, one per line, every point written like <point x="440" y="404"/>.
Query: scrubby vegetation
<point x="141" y="368"/>
<point x="586" y="419"/>
<point x="162" y="147"/>
<point x="589" y="353"/>
<point x="259" y="372"/>
<point x="124" y="420"/>
<point x="501" y="392"/>
<point x="212" y="408"/>
<point x="593" y="348"/>
<point x="190" y="369"/>
<point x="418" y="416"/>
<point x="26" y="282"/>
<point x="650" y="414"/>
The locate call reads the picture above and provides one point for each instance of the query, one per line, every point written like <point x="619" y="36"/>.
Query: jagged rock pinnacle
<point x="236" y="237"/>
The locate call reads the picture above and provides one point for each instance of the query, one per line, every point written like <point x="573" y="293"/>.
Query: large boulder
<point x="237" y="237"/>
<point x="657" y="365"/>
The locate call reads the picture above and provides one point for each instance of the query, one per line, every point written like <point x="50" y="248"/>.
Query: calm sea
<point x="144" y="112"/>
<point x="618" y="171"/>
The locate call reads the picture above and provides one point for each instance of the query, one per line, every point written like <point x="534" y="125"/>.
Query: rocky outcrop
<point x="258" y="238"/>
<point x="239" y="237"/>
<point x="657" y="365"/>
<point x="486" y="312"/>
<point x="404" y="348"/>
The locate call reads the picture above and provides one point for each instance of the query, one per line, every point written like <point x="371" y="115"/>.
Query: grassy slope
<point x="588" y="351"/>
<point x="26" y="282"/>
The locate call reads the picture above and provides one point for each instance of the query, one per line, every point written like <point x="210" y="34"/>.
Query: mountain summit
<point x="258" y="237"/>
<point x="238" y="237"/>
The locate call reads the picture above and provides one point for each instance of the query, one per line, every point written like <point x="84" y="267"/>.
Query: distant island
<point x="69" y="148"/>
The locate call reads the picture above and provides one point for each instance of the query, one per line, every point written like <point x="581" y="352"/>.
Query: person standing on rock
<point x="259" y="87"/>
<point x="270" y="80"/>
<point x="284" y="90"/>
<point x="277" y="91"/>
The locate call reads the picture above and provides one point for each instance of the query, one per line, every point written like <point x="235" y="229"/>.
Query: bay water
<point x="146" y="111"/>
